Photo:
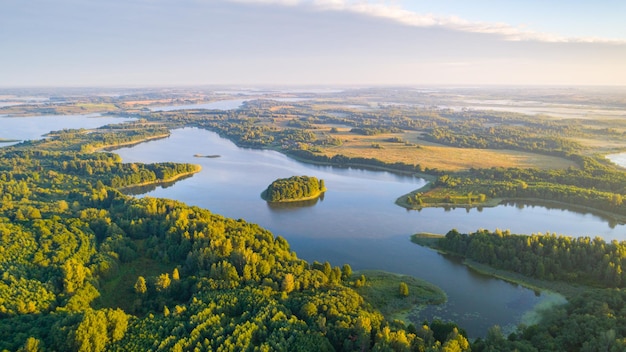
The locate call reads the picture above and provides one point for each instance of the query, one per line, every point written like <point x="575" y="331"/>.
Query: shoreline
<point x="112" y="147"/>
<point x="494" y="202"/>
<point x="312" y="197"/>
<point x="565" y="289"/>
<point x="380" y="290"/>
<point x="158" y="182"/>
<point x="427" y="177"/>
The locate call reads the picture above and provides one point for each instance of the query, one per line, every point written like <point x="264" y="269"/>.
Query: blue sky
<point x="573" y="18"/>
<point x="311" y="42"/>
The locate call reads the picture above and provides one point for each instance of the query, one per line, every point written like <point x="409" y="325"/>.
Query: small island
<point x="293" y="189"/>
<point x="206" y="156"/>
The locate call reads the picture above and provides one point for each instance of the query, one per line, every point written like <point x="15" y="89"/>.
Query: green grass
<point x="381" y="290"/>
<point x="96" y="106"/>
<point x="118" y="292"/>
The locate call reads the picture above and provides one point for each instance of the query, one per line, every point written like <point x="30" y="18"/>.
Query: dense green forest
<point x="576" y="260"/>
<point x="294" y="188"/>
<point x="594" y="319"/>
<point x="86" y="268"/>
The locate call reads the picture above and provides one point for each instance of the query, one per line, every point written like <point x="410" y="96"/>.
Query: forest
<point x="594" y="317"/>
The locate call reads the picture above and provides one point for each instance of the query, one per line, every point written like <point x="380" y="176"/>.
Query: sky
<point x="312" y="42"/>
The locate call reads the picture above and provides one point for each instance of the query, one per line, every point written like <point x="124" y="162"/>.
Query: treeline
<point x="345" y="161"/>
<point x="294" y="188"/>
<point x="504" y="137"/>
<point x="550" y="257"/>
<point x="595" y="184"/>
<point x="105" y="136"/>
<point x="139" y="173"/>
<point x="593" y="172"/>
<point x="372" y="131"/>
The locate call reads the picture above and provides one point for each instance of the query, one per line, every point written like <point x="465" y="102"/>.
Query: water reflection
<point x="278" y="206"/>
<point x="139" y="190"/>
<point x="612" y="221"/>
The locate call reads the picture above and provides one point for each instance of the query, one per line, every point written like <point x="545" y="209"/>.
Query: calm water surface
<point x="32" y="128"/>
<point x="358" y="223"/>
<point x="619" y="159"/>
<point x="216" y="105"/>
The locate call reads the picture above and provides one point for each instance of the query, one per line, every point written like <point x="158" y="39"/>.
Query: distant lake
<point x="228" y="104"/>
<point x="35" y="127"/>
<point x="216" y="105"/>
<point x="358" y="223"/>
<point x="618" y="159"/>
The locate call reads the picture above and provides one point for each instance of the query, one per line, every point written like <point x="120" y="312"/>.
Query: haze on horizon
<point x="311" y="42"/>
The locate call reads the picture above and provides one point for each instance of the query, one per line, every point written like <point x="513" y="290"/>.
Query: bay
<point x="357" y="222"/>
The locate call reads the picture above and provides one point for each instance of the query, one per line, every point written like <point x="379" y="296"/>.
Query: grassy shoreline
<point x="381" y="290"/>
<point x="427" y="177"/>
<point x="112" y="147"/>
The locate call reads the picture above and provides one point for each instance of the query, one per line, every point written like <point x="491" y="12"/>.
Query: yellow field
<point x="437" y="156"/>
<point x="96" y="106"/>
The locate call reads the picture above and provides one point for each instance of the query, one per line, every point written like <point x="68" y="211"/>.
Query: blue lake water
<point x="35" y="127"/>
<point x="358" y="223"/>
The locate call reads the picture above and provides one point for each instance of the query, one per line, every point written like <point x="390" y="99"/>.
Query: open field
<point x="58" y="109"/>
<point x="430" y="155"/>
<point x="118" y="292"/>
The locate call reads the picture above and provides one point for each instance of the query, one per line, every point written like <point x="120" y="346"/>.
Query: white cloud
<point x="387" y="10"/>
<point x="270" y="2"/>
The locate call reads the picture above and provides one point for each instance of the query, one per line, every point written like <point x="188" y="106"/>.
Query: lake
<point x="35" y="127"/>
<point x="358" y="223"/>
<point x="618" y="159"/>
<point x="215" y="105"/>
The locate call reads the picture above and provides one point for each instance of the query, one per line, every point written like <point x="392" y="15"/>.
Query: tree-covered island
<point x="293" y="189"/>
